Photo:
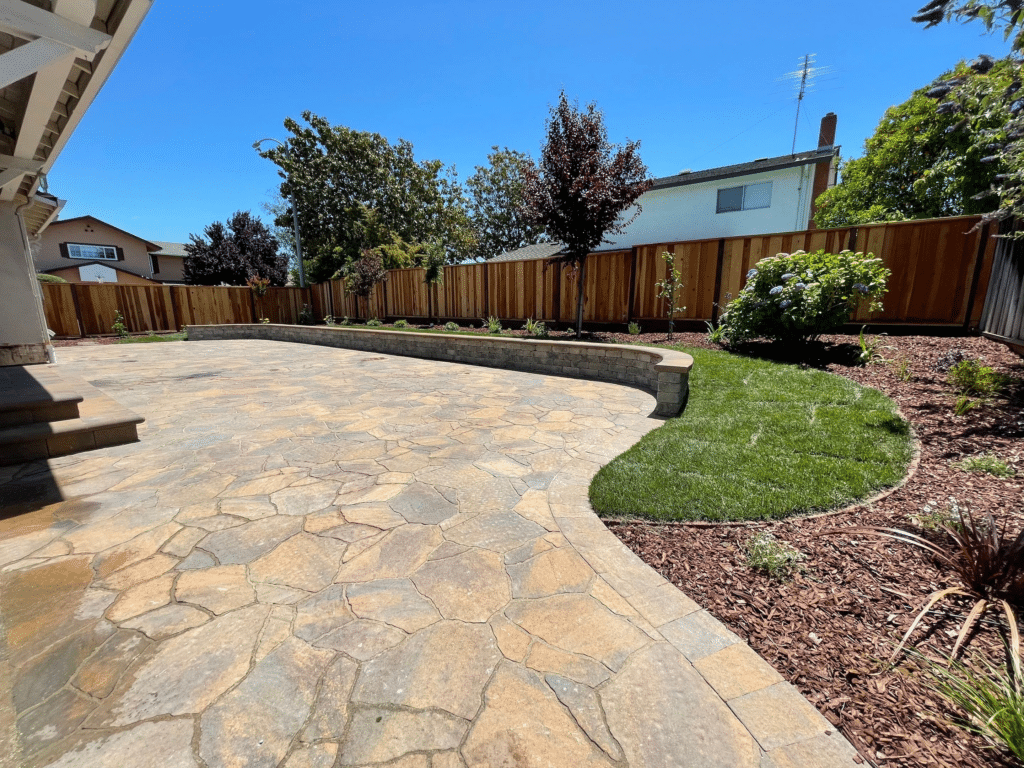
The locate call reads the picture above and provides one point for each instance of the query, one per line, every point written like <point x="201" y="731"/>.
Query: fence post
<point x="78" y="310"/>
<point x="487" y="289"/>
<point x="979" y="262"/>
<point x="718" y="279"/>
<point x="631" y="303"/>
<point x="853" y="239"/>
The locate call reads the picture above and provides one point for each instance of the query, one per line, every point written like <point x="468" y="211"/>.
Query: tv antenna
<point x="804" y="81"/>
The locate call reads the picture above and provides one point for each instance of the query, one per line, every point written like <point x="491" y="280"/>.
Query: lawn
<point x="758" y="440"/>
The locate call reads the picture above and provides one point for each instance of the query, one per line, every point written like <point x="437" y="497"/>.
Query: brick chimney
<point x="824" y="175"/>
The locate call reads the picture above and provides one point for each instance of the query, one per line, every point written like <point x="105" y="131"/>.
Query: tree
<point x="354" y="190"/>
<point x="1004" y="144"/>
<point x="234" y="251"/>
<point x="582" y="185"/>
<point x="496" y="204"/>
<point x="1006" y="13"/>
<point x="919" y="163"/>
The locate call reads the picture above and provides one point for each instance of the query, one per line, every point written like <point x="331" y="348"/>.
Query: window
<point x="154" y="264"/>
<point x="746" y="198"/>
<point x="92" y="252"/>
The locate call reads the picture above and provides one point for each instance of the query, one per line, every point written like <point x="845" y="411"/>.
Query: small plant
<point x="992" y="700"/>
<point x="536" y="328"/>
<point x="964" y="405"/>
<point x="988" y="463"/>
<point x="716" y="333"/>
<point x="634" y="329"/>
<point x="934" y="518"/>
<point x="987" y="560"/>
<point x="450" y="326"/>
<point x="306" y="315"/>
<point x="970" y="378"/>
<point x="265" y="320"/>
<point x="345" y="321"/>
<point x="775" y="558"/>
<point x="870" y="349"/>
<point x="401" y="324"/>
<point x="670" y="289"/>
<point x="329" y="321"/>
<point x="259" y="287"/>
<point x="799" y="296"/>
<point x="119" y="328"/>
<point x="901" y="369"/>
<point x="373" y="322"/>
<point x="950" y="358"/>
<point x="492" y="324"/>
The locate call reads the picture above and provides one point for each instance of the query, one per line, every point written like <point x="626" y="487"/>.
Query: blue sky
<point x="166" y="147"/>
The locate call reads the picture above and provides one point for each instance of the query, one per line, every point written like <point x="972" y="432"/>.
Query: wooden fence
<point x="940" y="273"/>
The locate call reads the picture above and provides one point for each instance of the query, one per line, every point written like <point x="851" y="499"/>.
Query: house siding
<point x="688" y="212"/>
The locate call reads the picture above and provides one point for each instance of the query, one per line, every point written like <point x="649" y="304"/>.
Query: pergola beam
<point x="26" y="21"/>
<point x="28" y="59"/>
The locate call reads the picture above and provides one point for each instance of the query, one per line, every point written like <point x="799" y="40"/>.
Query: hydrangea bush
<point x="799" y="296"/>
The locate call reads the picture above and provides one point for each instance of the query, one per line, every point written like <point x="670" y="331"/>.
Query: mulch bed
<point x="830" y="630"/>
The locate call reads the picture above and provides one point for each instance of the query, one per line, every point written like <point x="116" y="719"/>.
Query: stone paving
<point x="319" y="557"/>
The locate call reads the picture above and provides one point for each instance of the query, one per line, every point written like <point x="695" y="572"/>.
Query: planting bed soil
<point x="831" y="629"/>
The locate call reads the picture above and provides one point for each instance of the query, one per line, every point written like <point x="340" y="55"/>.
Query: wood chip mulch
<point x="831" y="629"/>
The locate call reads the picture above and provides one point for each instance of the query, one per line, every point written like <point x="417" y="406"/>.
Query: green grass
<point x="758" y="440"/>
<point x="155" y="337"/>
<point x="988" y="463"/>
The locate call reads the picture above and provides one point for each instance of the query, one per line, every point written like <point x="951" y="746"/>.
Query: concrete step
<point x="35" y="393"/>
<point x="99" y="422"/>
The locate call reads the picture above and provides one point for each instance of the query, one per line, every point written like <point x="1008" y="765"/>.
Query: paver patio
<point x="318" y="557"/>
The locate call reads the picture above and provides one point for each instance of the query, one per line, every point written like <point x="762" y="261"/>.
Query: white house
<point x="771" y="194"/>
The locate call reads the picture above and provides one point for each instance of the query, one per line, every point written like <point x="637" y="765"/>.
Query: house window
<point x="154" y="264"/>
<point x="92" y="252"/>
<point x="745" y="198"/>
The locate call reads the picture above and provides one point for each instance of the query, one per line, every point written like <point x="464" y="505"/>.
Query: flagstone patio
<point x="318" y="557"/>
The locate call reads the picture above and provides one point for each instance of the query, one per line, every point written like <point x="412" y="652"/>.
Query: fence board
<point x="59" y="308"/>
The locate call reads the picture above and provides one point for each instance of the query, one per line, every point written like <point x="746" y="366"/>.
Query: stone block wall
<point x="662" y="372"/>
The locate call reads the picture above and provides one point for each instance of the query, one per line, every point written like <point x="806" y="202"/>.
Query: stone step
<point x="99" y="422"/>
<point x="35" y="394"/>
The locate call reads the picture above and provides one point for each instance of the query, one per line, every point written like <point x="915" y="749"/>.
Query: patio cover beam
<point x="26" y="21"/>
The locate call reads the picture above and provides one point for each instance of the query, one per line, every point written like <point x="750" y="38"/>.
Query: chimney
<point x="824" y="176"/>
<point x="827" y="134"/>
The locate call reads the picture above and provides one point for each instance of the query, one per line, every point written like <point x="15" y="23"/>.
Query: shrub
<point x="716" y="333"/>
<point x="776" y="558"/>
<point x="373" y="322"/>
<point x="401" y="323"/>
<point x="536" y="328"/>
<point x="329" y="321"/>
<point x="492" y="324"/>
<point x="971" y="378"/>
<point x="986" y="559"/>
<point x="634" y="329"/>
<point x="450" y="326"/>
<point x="799" y="296"/>
<point x="992" y="701"/>
<point x="119" y="327"/>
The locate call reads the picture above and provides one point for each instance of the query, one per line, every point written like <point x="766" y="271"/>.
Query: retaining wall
<point x="662" y="372"/>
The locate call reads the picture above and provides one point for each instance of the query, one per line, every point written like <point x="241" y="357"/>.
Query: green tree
<point x="354" y="191"/>
<point x="496" y="204"/>
<point x="234" y="251"/>
<point x="582" y="185"/>
<point x="921" y="163"/>
<point x="1008" y="14"/>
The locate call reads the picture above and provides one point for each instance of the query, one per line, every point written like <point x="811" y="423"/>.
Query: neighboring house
<point x="772" y="194"/>
<point x="87" y="250"/>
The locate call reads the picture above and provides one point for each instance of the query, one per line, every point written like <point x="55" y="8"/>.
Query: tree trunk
<point x="579" y="297"/>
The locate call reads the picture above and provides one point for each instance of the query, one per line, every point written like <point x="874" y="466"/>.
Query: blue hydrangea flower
<point x="788" y="276"/>
<point x="785" y="303"/>
<point x="751" y="274"/>
<point x="860" y="287"/>
<point x="776" y="290"/>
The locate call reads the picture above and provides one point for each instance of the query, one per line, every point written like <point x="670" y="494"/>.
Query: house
<point x="771" y="194"/>
<point x="88" y="250"/>
<point x="54" y="59"/>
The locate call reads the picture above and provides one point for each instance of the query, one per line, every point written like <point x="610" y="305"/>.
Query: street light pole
<point x="295" y="212"/>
